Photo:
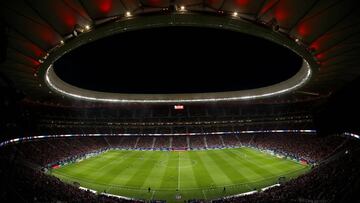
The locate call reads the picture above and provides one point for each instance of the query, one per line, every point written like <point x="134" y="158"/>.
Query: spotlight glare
<point x="87" y="27"/>
<point x="235" y="14"/>
<point x="62" y="42"/>
<point x="182" y="8"/>
<point x="128" y="14"/>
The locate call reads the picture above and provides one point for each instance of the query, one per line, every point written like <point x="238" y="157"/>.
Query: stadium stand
<point x="162" y="142"/>
<point x="329" y="182"/>
<point x="321" y="183"/>
<point x="197" y="142"/>
<point x="230" y="140"/>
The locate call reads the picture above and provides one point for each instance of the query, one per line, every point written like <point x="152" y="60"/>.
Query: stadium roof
<point x="325" y="32"/>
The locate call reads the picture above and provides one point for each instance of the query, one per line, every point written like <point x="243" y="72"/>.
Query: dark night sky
<point x="177" y="60"/>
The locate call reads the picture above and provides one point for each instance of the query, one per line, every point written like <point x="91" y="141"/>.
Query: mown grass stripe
<point x="238" y="161"/>
<point x="258" y="168"/>
<point x="187" y="171"/>
<point x="213" y="169"/>
<point x="132" y="164"/>
<point x="84" y="171"/>
<point x="201" y="173"/>
<point x="158" y="172"/>
<point x="141" y="173"/>
<point x="227" y="167"/>
<point x="119" y="165"/>
<point x="169" y="179"/>
<point x="274" y="163"/>
<point x="90" y="163"/>
<point x="242" y="173"/>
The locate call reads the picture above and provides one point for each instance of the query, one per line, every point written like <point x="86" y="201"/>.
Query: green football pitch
<point x="177" y="176"/>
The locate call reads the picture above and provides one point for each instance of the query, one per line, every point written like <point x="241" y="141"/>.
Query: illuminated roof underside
<point x="324" y="33"/>
<point x="66" y="89"/>
<point x="296" y="81"/>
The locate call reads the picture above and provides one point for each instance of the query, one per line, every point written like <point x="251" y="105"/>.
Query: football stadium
<point x="179" y="101"/>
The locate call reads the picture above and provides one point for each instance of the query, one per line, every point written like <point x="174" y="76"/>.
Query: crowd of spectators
<point x="230" y="140"/>
<point x="24" y="184"/>
<point x="114" y="141"/>
<point x="39" y="187"/>
<point x="145" y="142"/>
<point x="129" y="142"/>
<point x="179" y="142"/>
<point x="43" y="152"/>
<point x="309" y="147"/>
<point x="162" y="142"/>
<point x="214" y="141"/>
<point x="197" y="141"/>
<point x="335" y="181"/>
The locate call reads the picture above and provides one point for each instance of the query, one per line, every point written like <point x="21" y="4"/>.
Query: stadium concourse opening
<point x="186" y="60"/>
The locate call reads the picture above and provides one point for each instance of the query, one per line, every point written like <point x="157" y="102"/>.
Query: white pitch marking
<point x="152" y="196"/>
<point x="204" y="194"/>
<point x="179" y="172"/>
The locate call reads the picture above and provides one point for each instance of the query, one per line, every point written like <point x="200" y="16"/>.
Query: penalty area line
<point x="204" y="194"/>
<point x="152" y="196"/>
